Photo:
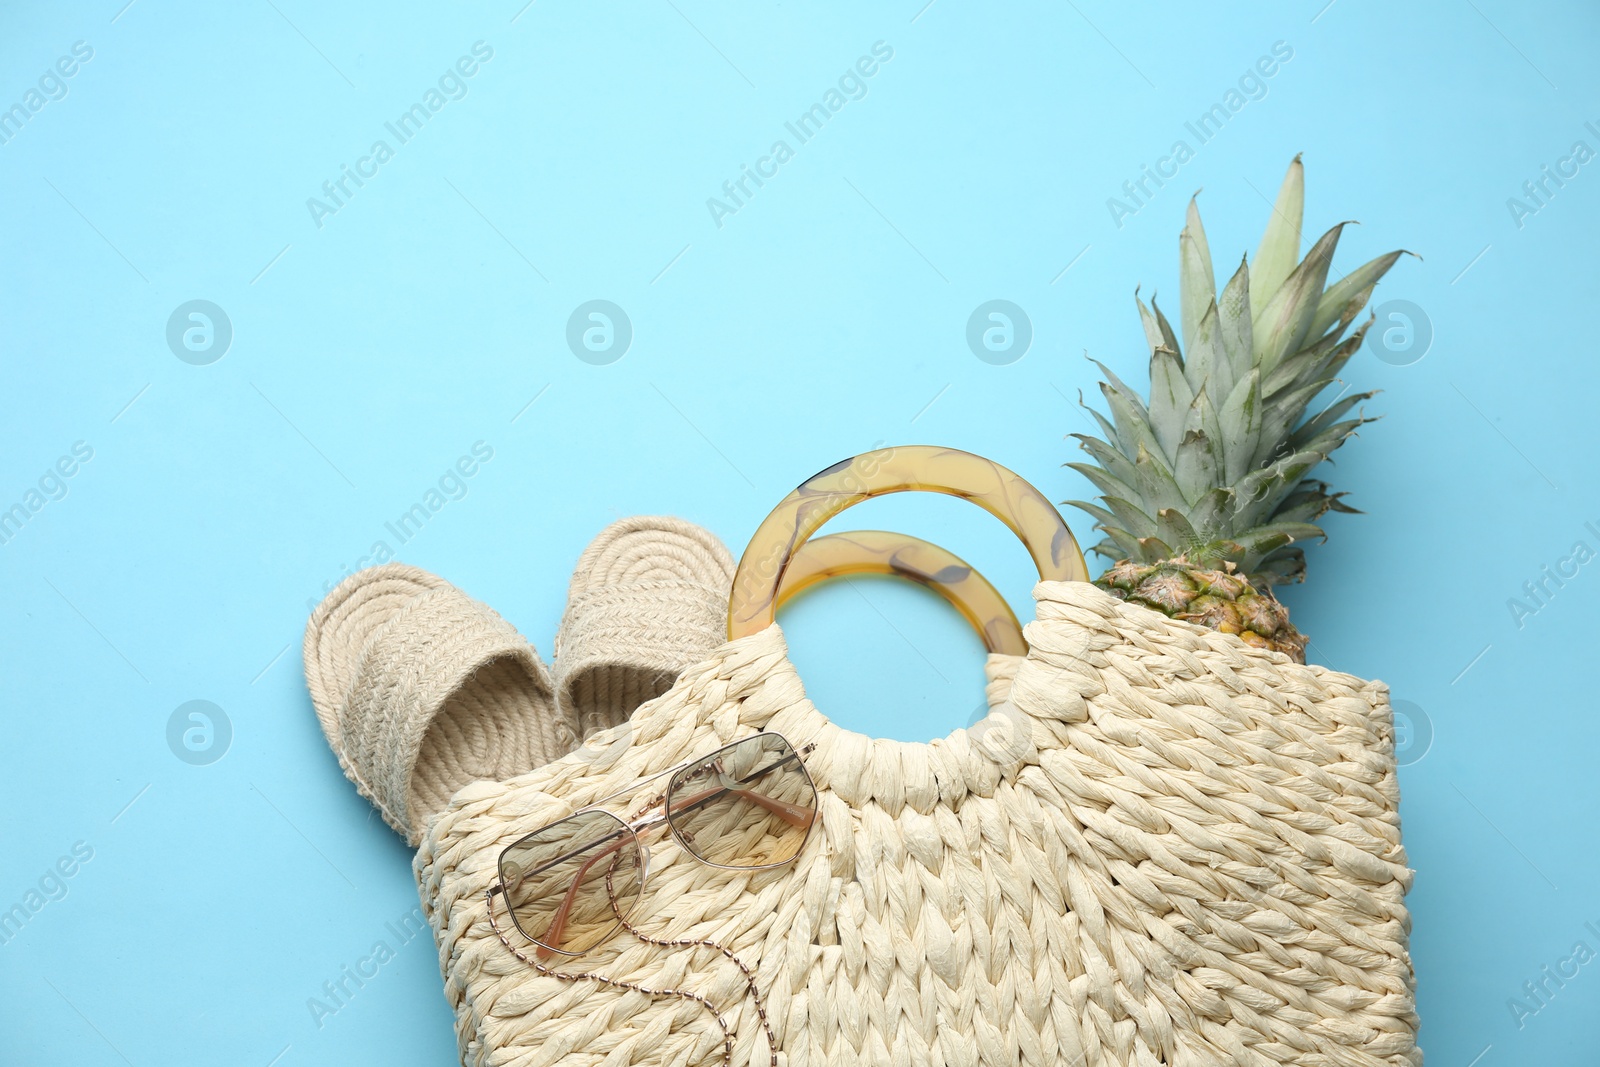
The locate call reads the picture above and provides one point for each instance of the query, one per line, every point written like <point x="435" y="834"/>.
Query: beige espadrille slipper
<point x="420" y="689"/>
<point x="648" y="598"/>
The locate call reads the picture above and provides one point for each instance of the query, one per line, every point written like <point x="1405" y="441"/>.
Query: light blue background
<point x="824" y="318"/>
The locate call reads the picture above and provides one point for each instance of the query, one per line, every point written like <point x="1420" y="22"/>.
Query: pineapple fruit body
<point x="1220" y="599"/>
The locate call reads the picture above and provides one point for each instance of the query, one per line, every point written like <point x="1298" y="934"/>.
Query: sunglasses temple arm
<point x="558" y="922"/>
<point x="793" y="814"/>
<point x="804" y="750"/>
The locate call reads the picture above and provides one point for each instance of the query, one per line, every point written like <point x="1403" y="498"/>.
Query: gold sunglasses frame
<point x="652" y="815"/>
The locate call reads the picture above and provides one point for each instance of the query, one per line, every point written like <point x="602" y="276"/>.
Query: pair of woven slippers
<point x="421" y="689"/>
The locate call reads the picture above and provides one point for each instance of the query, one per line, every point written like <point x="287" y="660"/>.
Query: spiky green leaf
<point x="1283" y="567"/>
<point x="1101" y="516"/>
<point x="1175" y="530"/>
<point x="1211" y="426"/>
<point x="1170" y="398"/>
<point x="1353" y="289"/>
<point x="1104" y="481"/>
<point x="1300" y="507"/>
<point x="1207" y="364"/>
<point x="1197" y="286"/>
<point x="1155" y="485"/>
<point x="1106" y="454"/>
<point x="1195" y="470"/>
<point x="1129" y="517"/>
<point x="1152" y="332"/>
<point x="1280" y="245"/>
<point x="1199" y="466"/>
<point x="1108" y="431"/>
<point x="1157" y="330"/>
<point x="1262" y="490"/>
<point x="1128" y="412"/>
<point x="1153" y="548"/>
<point x="1241" y="426"/>
<point x="1328" y="441"/>
<point x="1210" y="514"/>
<point x="1233" y="326"/>
<point x="1302" y="367"/>
<point x="1329" y="415"/>
<point x="1119" y="545"/>
<point x="1261" y="540"/>
<point x="1282" y="324"/>
<point x="1334" y="361"/>
<point x="1285" y="410"/>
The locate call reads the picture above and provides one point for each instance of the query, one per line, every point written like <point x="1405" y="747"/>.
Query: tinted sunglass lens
<point x="567" y="885"/>
<point x="748" y="805"/>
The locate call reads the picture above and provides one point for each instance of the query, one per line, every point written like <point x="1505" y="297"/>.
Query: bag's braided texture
<point x="1176" y="849"/>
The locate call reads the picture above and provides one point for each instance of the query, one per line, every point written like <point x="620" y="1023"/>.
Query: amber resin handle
<point x="924" y="468"/>
<point x="882" y="552"/>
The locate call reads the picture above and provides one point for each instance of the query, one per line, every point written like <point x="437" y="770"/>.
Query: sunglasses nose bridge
<point x="649" y="821"/>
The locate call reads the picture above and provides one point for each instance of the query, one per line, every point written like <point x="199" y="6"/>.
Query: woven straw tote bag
<point x="1166" y="847"/>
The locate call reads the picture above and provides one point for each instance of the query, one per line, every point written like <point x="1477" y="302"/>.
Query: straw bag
<point x="1173" y="849"/>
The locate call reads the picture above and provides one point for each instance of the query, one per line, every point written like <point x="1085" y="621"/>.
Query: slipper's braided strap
<point x="630" y="642"/>
<point x="648" y="598"/>
<point x="416" y="675"/>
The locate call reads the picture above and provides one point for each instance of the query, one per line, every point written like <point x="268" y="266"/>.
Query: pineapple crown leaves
<point x="1215" y="466"/>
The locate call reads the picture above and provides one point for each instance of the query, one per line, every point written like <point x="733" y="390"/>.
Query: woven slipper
<point x="420" y="689"/>
<point x="648" y="598"/>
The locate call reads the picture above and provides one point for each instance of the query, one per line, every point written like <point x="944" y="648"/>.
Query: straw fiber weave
<point x="1178" y="850"/>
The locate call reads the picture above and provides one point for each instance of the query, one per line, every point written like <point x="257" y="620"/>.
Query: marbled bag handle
<point x="882" y="552"/>
<point x="925" y="468"/>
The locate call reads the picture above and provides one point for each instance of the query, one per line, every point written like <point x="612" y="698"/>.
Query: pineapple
<point x="1205" y="494"/>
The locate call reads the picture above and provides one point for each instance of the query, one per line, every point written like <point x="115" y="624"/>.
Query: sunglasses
<point x="571" y="885"/>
